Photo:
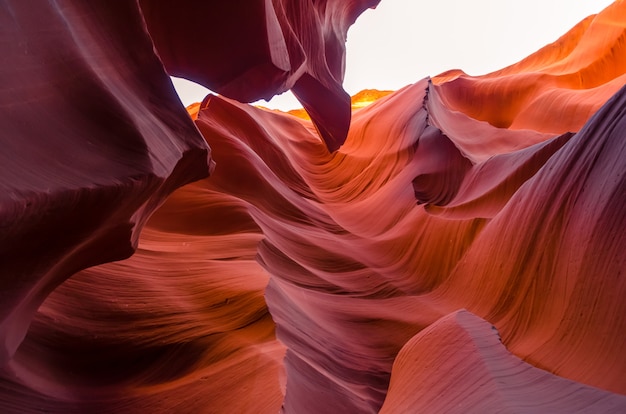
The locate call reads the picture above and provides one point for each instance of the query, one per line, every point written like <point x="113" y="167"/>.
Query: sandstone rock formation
<point x="463" y="251"/>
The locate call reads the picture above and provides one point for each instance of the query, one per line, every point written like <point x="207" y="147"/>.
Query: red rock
<point x="424" y="380"/>
<point x="328" y="259"/>
<point x="248" y="50"/>
<point x="548" y="245"/>
<point x="579" y="73"/>
<point x="93" y="140"/>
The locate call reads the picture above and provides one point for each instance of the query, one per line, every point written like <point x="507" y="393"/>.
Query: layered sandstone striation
<point x="461" y="252"/>
<point x="494" y="380"/>
<point x="92" y="142"/>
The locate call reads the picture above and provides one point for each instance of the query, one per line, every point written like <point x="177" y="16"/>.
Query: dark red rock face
<point x="461" y="252"/>
<point x="92" y="142"/>
<point x="253" y="49"/>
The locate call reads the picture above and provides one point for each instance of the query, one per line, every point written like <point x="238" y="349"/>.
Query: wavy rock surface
<point x="494" y="380"/>
<point x="578" y="72"/>
<point x="249" y="50"/>
<point x="92" y="142"/>
<point x="298" y="278"/>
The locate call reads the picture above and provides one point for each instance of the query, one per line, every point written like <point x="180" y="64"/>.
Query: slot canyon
<point x="454" y="246"/>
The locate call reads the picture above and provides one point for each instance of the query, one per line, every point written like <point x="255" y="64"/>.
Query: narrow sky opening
<point x="189" y="92"/>
<point x="403" y="41"/>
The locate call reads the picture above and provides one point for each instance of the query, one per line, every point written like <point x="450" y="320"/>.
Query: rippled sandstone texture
<point x="461" y="252"/>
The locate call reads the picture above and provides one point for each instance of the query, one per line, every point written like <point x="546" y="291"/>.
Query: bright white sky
<point x="403" y="41"/>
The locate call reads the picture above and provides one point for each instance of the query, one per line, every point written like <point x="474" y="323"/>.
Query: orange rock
<point x="295" y="278"/>
<point x="425" y="376"/>
<point x="577" y="73"/>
